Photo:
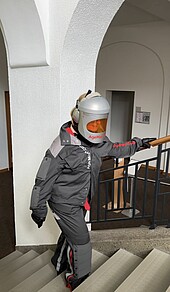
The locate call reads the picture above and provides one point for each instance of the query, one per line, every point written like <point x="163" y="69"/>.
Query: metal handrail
<point x="103" y="214"/>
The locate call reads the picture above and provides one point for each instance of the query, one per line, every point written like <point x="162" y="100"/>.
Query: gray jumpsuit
<point x="66" y="178"/>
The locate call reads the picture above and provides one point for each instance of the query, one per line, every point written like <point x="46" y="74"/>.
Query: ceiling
<point x="142" y="11"/>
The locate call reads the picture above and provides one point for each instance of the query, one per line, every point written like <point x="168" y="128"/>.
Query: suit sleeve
<point x="48" y="172"/>
<point x="127" y="149"/>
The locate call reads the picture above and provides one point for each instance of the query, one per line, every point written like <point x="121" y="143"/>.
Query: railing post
<point x="98" y="201"/>
<point x="156" y="191"/>
<point x="168" y="225"/>
<point x="167" y="163"/>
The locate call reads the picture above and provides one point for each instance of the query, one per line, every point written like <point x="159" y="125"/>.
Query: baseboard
<point x="4" y="170"/>
<point x="154" y="169"/>
<point x="38" y="248"/>
<point x="150" y="167"/>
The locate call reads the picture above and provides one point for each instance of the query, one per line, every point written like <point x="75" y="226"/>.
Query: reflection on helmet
<point x="93" y="114"/>
<point x="97" y="126"/>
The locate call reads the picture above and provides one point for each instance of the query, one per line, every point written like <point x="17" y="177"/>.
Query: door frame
<point x="8" y="125"/>
<point x="109" y="96"/>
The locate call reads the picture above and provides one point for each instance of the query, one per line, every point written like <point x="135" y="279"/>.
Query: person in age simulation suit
<point x="67" y="180"/>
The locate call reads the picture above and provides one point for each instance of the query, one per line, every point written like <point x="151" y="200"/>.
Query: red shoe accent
<point x="69" y="286"/>
<point x="73" y="282"/>
<point x="69" y="277"/>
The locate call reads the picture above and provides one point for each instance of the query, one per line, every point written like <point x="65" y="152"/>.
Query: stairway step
<point x="98" y="259"/>
<point x="12" y="256"/>
<point x="17" y="263"/>
<point x="37" y="280"/>
<point x="59" y="285"/>
<point x="111" y="274"/>
<point x="152" y="275"/>
<point x="26" y="271"/>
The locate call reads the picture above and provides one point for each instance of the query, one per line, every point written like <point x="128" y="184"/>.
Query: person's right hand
<point x="37" y="220"/>
<point x="146" y="142"/>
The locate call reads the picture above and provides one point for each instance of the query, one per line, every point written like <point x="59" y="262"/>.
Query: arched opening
<point x="23" y="43"/>
<point x="25" y="28"/>
<point x="133" y="58"/>
<point x="82" y="45"/>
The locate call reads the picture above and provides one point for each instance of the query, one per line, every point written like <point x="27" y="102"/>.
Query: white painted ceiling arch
<point x="85" y="33"/>
<point x="25" y="29"/>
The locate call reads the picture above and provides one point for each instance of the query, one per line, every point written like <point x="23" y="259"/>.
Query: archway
<point x="87" y="28"/>
<point x="23" y="43"/>
<point x="24" y="25"/>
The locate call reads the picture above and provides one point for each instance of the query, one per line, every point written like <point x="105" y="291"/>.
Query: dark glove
<point x="145" y="142"/>
<point x="37" y="220"/>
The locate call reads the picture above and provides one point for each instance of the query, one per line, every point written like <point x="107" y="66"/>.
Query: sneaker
<point x="73" y="282"/>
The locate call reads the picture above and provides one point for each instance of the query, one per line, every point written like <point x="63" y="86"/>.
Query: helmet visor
<point x="97" y="126"/>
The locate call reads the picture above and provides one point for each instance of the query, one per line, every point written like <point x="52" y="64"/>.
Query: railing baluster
<point x="118" y="192"/>
<point x="145" y="189"/>
<point x="125" y="185"/>
<point x="106" y="201"/>
<point x="98" y="201"/>
<point x="134" y="191"/>
<point x="112" y="195"/>
<point x="167" y="162"/>
<point x="113" y="191"/>
<point x="158" y="164"/>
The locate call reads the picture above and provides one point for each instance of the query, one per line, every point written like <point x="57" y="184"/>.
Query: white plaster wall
<point x="3" y="87"/>
<point x="136" y="58"/>
<point x="42" y="98"/>
<point x="35" y="105"/>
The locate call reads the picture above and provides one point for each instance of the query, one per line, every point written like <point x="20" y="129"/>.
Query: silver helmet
<point x="93" y="115"/>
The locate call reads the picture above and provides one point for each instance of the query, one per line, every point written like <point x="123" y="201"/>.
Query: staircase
<point x="122" y="272"/>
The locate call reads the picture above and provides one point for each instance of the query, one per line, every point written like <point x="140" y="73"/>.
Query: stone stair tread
<point x="59" y="285"/>
<point x="111" y="274"/>
<point x="36" y="280"/>
<point x="7" y="259"/>
<point x="25" y="271"/>
<point x="152" y="275"/>
<point x="17" y="263"/>
<point x="124" y="271"/>
<point x="98" y="259"/>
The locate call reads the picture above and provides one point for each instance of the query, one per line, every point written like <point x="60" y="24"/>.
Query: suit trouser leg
<point x="59" y="259"/>
<point x="74" y="240"/>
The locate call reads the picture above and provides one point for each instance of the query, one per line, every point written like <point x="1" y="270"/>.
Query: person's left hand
<point x="37" y="220"/>
<point x="146" y="142"/>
